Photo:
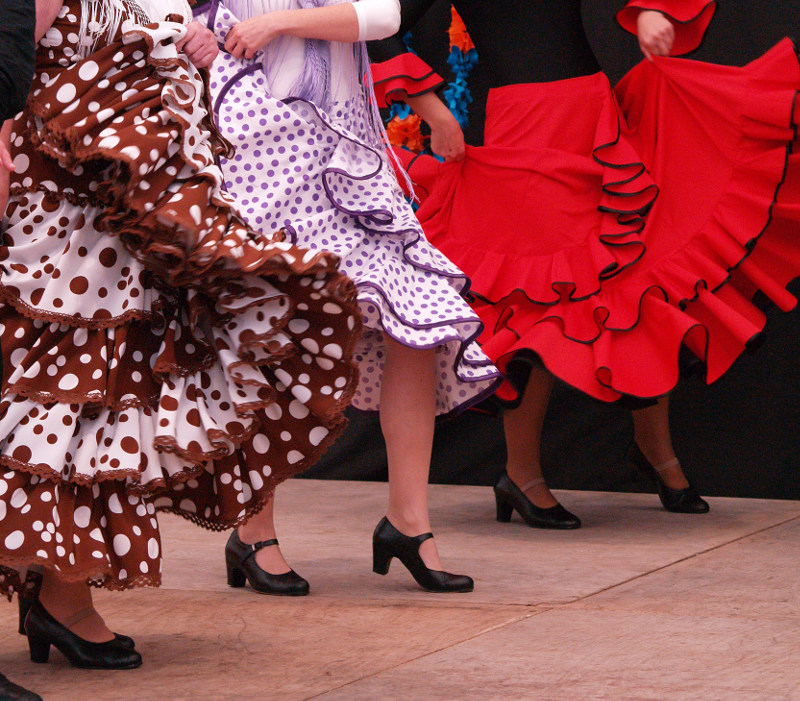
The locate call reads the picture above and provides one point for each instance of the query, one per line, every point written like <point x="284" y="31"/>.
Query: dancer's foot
<point x="389" y="543"/>
<point x="667" y="465"/>
<point x="71" y="605"/>
<point x="242" y="566"/>
<point x="537" y="491"/>
<point x="510" y="497"/>
<point x="45" y="631"/>
<point x="684" y="500"/>
<point x="412" y="525"/>
<point x="269" y="558"/>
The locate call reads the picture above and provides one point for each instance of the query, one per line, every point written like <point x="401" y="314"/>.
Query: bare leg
<point x="408" y="410"/>
<point x="523" y="428"/>
<point x="262" y="527"/>
<point x="63" y="600"/>
<point x="652" y="435"/>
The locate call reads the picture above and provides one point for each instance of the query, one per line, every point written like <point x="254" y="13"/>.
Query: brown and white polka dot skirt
<point x="158" y="354"/>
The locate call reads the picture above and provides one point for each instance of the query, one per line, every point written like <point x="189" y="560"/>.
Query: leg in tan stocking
<point x="523" y="429"/>
<point x="259" y="528"/>
<point x="652" y="435"/>
<point x="70" y="603"/>
<point x="408" y="410"/>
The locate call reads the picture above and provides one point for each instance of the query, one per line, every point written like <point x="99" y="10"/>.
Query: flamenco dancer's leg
<point x="651" y="433"/>
<point x="408" y="410"/>
<point x="408" y="406"/>
<point x="523" y="430"/>
<point x="523" y="486"/>
<point x="253" y="554"/>
<point x="652" y="452"/>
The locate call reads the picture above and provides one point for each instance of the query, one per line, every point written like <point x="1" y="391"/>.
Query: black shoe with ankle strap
<point x="510" y="497"/>
<point x="678" y="501"/>
<point x="44" y="631"/>
<point x="242" y="567"/>
<point x="388" y="542"/>
<point x="26" y="601"/>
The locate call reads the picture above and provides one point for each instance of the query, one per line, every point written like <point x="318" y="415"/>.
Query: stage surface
<point x="638" y="604"/>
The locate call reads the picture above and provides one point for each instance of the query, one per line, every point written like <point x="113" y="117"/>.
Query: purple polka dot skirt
<point x="313" y="174"/>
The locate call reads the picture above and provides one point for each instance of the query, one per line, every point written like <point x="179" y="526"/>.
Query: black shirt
<point x="17" y="54"/>
<point x="518" y="41"/>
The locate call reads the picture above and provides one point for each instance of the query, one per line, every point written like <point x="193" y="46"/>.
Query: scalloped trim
<point x="715" y="312"/>
<point x="405" y="75"/>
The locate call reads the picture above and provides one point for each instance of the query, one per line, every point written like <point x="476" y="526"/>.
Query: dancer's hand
<point x="6" y="168"/>
<point x="199" y="44"/>
<point x="252" y="35"/>
<point x="656" y="34"/>
<point x="447" y="138"/>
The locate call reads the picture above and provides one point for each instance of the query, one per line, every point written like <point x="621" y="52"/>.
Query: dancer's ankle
<point x="251" y="533"/>
<point x="408" y="521"/>
<point x="531" y="482"/>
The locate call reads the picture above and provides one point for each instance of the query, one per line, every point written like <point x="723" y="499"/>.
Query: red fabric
<point x="690" y="17"/>
<point x="555" y="268"/>
<point x="403" y="76"/>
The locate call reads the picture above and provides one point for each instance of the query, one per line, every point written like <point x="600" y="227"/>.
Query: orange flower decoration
<point x="405" y="132"/>
<point x="458" y="32"/>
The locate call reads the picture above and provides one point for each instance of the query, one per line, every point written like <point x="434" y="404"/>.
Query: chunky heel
<point x="381" y="559"/>
<point x="504" y="509"/>
<point x="40" y="649"/>
<point x="236" y="577"/>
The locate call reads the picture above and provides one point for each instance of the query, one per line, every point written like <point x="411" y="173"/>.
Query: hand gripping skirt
<point x="313" y="173"/>
<point x="158" y="353"/>
<point x="604" y="235"/>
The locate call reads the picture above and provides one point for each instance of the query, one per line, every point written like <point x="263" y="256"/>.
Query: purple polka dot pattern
<point x="313" y="174"/>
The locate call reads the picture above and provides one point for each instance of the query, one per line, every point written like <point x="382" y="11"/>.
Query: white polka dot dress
<point x="158" y="353"/>
<point x="313" y="174"/>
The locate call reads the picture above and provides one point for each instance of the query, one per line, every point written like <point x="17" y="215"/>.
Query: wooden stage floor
<point x="638" y="604"/>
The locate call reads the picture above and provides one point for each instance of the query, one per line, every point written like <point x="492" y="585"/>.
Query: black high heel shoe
<point x="509" y="497"/>
<point x="43" y="631"/>
<point x="678" y="501"/>
<point x="388" y="542"/>
<point x="25" y="603"/>
<point x="242" y="567"/>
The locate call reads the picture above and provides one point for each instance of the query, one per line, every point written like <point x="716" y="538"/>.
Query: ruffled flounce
<point x="690" y="19"/>
<point x="331" y="190"/>
<point x="158" y="353"/>
<point x="548" y="222"/>
<point x="405" y="75"/>
<point x="701" y="129"/>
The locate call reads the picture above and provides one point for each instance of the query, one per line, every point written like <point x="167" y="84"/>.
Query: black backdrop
<point x="739" y="437"/>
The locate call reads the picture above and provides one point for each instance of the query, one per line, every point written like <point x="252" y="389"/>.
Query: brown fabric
<point x="158" y="354"/>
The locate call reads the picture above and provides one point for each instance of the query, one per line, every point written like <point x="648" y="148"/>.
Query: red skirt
<point x="605" y="243"/>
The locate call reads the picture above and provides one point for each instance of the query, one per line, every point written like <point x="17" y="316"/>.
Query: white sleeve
<point x="377" y="19"/>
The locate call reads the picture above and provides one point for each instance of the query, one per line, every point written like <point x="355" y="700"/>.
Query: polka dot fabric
<point x="158" y="353"/>
<point x="313" y="174"/>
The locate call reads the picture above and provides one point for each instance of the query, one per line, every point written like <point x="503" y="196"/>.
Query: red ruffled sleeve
<point x="690" y="17"/>
<point x="406" y="75"/>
